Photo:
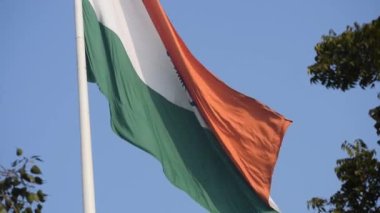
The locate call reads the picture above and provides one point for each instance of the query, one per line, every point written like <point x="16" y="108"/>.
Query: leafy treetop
<point x="19" y="185"/>
<point x="349" y="59"/>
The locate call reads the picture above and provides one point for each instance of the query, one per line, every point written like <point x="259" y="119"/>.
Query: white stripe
<point x="273" y="204"/>
<point x="132" y="24"/>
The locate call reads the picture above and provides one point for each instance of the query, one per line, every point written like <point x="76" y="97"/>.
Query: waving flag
<point x="214" y="143"/>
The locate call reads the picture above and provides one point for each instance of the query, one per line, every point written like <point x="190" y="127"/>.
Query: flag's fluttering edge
<point x="217" y="145"/>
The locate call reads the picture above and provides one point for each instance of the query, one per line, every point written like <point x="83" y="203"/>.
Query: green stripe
<point x="191" y="157"/>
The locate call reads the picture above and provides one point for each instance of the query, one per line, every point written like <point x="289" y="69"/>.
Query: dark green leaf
<point x="31" y="197"/>
<point x="19" y="152"/>
<point x="35" y="170"/>
<point x="38" y="180"/>
<point x="41" y="195"/>
<point x="25" y="177"/>
<point x="16" y="192"/>
<point x="28" y="210"/>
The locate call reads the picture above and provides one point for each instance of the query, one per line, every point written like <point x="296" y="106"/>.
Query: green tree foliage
<point x="19" y="186"/>
<point x="360" y="177"/>
<point x="349" y="59"/>
<point x="343" y="62"/>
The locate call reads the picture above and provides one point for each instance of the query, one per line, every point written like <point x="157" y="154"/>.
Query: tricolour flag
<point x="214" y="143"/>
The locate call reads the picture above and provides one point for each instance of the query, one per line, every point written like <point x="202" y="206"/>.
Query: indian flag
<point x="214" y="143"/>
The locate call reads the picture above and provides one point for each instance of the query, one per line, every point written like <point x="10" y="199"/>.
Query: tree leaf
<point x="38" y="180"/>
<point x="31" y="197"/>
<point x="28" y="210"/>
<point x="14" y="163"/>
<point x="41" y="195"/>
<point x="19" y="152"/>
<point x="35" y="170"/>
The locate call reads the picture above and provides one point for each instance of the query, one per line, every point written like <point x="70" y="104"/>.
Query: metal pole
<point x="86" y="150"/>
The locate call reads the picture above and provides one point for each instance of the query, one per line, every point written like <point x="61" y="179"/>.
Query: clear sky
<point x="260" y="48"/>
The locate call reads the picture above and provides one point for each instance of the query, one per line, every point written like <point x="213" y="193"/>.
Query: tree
<point x="19" y="191"/>
<point x="343" y="62"/>
<point x="349" y="59"/>
<point x="360" y="177"/>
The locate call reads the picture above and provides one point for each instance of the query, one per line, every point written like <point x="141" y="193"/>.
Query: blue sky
<point x="260" y="48"/>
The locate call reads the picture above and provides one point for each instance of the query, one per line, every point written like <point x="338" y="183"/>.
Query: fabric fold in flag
<point x="217" y="145"/>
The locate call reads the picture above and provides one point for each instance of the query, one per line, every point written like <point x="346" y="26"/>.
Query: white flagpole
<point x="86" y="152"/>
